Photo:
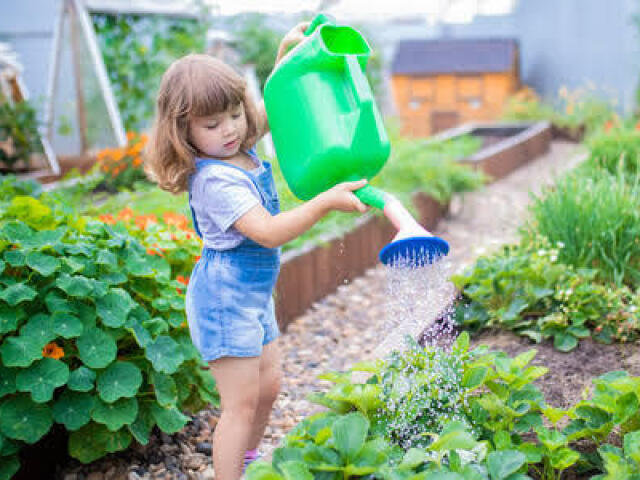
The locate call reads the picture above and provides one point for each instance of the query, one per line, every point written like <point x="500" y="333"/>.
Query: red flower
<point x="183" y="280"/>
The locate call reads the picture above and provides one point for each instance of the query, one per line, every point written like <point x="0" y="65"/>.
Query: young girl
<point x="203" y="142"/>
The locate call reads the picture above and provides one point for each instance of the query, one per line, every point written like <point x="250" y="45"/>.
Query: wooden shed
<point x="438" y="84"/>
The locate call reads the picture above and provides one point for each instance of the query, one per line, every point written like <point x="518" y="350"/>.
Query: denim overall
<point x="229" y="299"/>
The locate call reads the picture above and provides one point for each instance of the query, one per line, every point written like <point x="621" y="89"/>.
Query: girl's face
<point x="220" y="135"/>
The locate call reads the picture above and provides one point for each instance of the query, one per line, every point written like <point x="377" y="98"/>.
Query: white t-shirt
<point x="220" y="195"/>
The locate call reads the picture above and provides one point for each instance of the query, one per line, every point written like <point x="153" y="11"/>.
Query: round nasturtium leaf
<point x="39" y="329"/>
<point x="120" y="379"/>
<point x="17" y="293"/>
<point x="7" y="381"/>
<point x="117" y="414"/>
<point x="22" y="419"/>
<point x="170" y="420"/>
<point x="142" y="336"/>
<point x="96" y="348"/>
<point x="165" y="389"/>
<point x="114" y="307"/>
<point x="56" y="302"/>
<point x="144" y="423"/>
<point x="42" y="263"/>
<point x="42" y="378"/>
<point x="67" y="325"/>
<point x="105" y="257"/>
<point x="73" y="409"/>
<point x="9" y="318"/>
<point x="165" y="354"/>
<point x="74" y="286"/>
<point x="20" y="351"/>
<point x="9" y="466"/>
<point x="81" y="379"/>
<point x="16" y="231"/>
<point x="95" y="440"/>
<point x="15" y="258"/>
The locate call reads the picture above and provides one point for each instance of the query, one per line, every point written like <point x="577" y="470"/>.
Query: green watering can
<point x="327" y="129"/>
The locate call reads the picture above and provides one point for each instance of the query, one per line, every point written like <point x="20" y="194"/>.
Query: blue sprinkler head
<point x="414" y="251"/>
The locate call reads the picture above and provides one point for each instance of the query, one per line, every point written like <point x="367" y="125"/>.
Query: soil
<point x="569" y="373"/>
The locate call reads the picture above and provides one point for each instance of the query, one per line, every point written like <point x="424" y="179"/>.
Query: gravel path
<point x="346" y="327"/>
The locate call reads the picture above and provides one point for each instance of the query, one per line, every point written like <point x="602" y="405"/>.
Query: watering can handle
<point x="318" y="20"/>
<point x="371" y="196"/>
<point x="361" y="89"/>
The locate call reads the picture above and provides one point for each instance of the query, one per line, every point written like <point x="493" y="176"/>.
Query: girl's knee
<point x="242" y="409"/>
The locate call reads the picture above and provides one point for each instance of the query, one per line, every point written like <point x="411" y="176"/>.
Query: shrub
<point x="10" y="186"/>
<point x="92" y="336"/>
<point x="122" y="167"/>
<point x="615" y="150"/>
<point x="597" y="220"/>
<point x="19" y="137"/>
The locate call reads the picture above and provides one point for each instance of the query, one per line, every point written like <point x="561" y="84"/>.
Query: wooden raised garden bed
<point x="505" y="146"/>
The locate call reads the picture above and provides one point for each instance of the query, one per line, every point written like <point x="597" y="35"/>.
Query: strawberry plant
<point x="92" y="336"/>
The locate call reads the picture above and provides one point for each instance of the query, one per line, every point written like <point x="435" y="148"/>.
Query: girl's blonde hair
<point x="193" y="86"/>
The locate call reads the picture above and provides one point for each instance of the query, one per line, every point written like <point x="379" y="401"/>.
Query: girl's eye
<point x="236" y="114"/>
<point x="211" y="127"/>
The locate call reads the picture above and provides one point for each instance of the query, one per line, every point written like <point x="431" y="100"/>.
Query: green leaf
<point x="15" y="258"/>
<point x="73" y="409"/>
<point x="117" y="414"/>
<point x="143" y="424"/>
<point x="57" y="303"/>
<point x="170" y="420"/>
<point x="18" y="293"/>
<point x="262" y="471"/>
<point x="454" y="441"/>
<point x="9" y="318"/>
<point x="295" y="470"/>
<point x="42" y="378"/>
<point x="105" y="257"/>
<point x="9" y="466"/>
<point x="81" y="379"/>
<point x="44" y="264"/>
<point x="565" y="342"/>
<point x="594" y="416"/>
<point x="95" y="440"/>
<point x="114" y="307"/>
<point x="96" y="348"/>
<point x="563" y="458"/>
<point x="74" y="286"/>
<point x="349" y="434"/>
<point x="503" y="463"/>
<point x="39" y="329"/>
<point x="120" y="379"/>
<point x="632" y="446"/>
<point x="414" y="457"/>
<point x="7" y="381"/>
<point x="16" y="232"/>
<point x="165" y="389"/>
<point x="20" y="351"/>
<point x="67" y="325"/>
<point x="626" y="407"/>
<point x="22" y="419"/>
<point x="165" y="355"/>
<point x="141" y="335"/>
<point x="474" y="377"/>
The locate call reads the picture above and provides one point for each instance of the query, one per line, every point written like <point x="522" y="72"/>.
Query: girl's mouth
<point x="231" y="144"/>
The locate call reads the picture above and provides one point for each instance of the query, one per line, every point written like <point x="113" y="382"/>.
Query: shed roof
<point x="469" y="55"/>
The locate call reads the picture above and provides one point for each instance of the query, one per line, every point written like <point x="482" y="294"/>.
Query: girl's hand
<point x="342" y="198"/>
<point x="292" y="37"/>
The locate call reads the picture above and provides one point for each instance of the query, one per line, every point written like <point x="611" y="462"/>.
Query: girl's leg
<point x="270" y="375"/>
<point x="237" y="380"/>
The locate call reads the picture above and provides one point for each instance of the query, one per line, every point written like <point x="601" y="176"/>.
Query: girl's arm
<point x="293" y="36"/>
<point x="272" y="231"/>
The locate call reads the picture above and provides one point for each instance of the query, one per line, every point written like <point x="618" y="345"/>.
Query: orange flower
<point x="125" y="214"/>
<point x="52" y="350"/>
<point x="183" y="280"/>
<point x="197" y="258"/>
<point x="638" y="126"/>
<point x="137" y="161"/>
<point x="151" y="251"/>
<point x="176" y="219"/>
<point x="143" y="221"/>
<point x="608" y="126"/>
<point x="131" y="136"/>
<point x="107" y="218"/>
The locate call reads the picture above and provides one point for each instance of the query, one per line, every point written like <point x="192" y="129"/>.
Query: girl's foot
<point x="249" y="457"/>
